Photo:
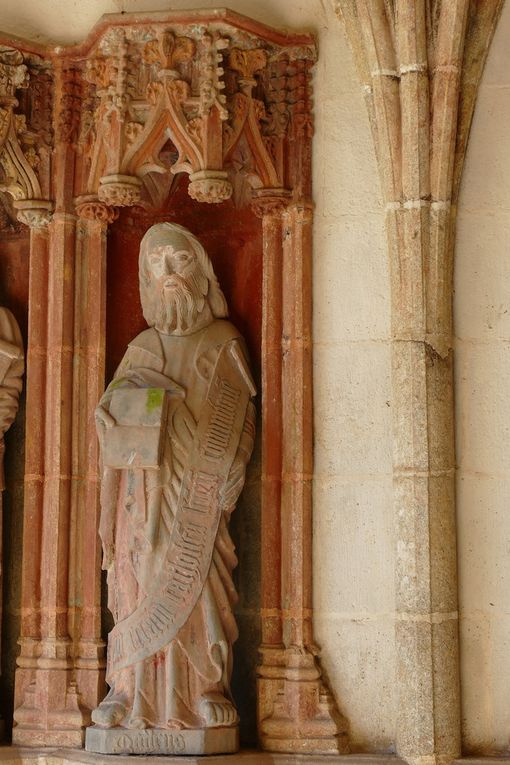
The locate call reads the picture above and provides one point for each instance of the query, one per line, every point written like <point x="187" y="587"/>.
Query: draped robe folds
<point x="138" y="509"/>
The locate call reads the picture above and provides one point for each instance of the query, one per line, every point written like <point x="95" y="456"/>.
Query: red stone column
<point x="49" y="713"/>
<point x="298" y="713"/>
<point x="269" y="206"/>
<point x="90" y="331"/>
<point x="297" y="457"/>
<point x="30" y="629"/>
<point x="47" y="708"/>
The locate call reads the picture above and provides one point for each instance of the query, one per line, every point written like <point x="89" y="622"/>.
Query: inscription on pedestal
<point x="158" y="741"/>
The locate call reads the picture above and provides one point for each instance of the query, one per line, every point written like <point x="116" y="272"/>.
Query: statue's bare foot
<point x="217" y="711"/>
<point x="109" y="714"/>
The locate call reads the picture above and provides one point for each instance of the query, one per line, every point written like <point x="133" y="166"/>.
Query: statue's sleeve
<point x="124" y="377"/>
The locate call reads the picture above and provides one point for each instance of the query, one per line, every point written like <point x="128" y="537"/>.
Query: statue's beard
<point x="180" y="302"/>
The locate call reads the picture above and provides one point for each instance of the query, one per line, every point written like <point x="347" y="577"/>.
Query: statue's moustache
<point x="175" y="281"/>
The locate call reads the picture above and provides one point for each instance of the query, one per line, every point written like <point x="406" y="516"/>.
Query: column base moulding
<point x="297" y="711"/>
<point x="50" y="713"/>
<point x="12" y="755"/>
<point x="63" y="725"/>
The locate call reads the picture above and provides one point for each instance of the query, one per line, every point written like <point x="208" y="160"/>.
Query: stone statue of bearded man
<point x="176" y="427"/>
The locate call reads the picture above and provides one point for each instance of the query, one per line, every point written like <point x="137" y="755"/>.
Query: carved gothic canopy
<point x="140" y="103"/>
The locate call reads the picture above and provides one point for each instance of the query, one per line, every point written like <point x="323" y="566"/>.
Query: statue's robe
<point x="137" y="516"/>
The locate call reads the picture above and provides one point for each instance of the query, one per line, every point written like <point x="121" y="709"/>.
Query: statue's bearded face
<point x="179" y="285"/>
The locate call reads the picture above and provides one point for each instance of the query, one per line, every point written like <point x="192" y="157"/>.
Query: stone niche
<point x="202" y="118"/>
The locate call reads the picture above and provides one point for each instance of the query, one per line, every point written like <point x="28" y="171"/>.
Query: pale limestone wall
<point x="482" y="321"/>
<point x="353" y="524"/>
<point x="353" y="515"/>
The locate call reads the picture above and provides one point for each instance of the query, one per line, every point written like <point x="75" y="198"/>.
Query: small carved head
<point x="178" y="286"/>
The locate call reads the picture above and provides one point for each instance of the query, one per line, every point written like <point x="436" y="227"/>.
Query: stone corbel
<point x="34" y="213"/>
<point x="90" y="207"/>
<point x="119" y="190"/>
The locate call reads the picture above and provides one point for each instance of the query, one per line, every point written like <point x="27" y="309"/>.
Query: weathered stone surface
<point x="11" y="756"/>
<point x="158" y="741"/>
<point x="174" y="459"/>
<point x="420" y="71"/>
<point x="119" y="95"/>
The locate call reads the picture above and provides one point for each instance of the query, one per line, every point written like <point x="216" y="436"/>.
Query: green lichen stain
<point x="154" y="399"/>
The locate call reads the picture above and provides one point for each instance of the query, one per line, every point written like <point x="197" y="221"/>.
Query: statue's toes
<point x="208" y="709"/>
<point x="230" y="715"/>
<point x="218" y="713"/>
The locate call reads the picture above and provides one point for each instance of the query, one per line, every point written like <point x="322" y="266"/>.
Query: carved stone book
<point x="136" y="439"/>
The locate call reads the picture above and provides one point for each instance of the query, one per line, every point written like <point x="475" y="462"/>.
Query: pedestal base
<point x="162" y="741"/>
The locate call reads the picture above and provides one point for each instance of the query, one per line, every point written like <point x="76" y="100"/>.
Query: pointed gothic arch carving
<point x="24" y="147"/>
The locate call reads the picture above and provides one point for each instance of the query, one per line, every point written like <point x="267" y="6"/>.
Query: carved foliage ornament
<point x="209" y="91"/>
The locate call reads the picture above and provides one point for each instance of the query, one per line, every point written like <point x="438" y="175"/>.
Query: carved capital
<point x="90" y="208"/>
<point x="35" y="213"/>
<point x="270" y="201"/>
<point x="211" y="186"/>
<point x="247" y="62"/>
<point x="120" y="190"/>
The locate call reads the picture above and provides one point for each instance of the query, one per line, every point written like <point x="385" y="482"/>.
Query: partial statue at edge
<point x="176" y="430"/>
<point x="12" y="366"/>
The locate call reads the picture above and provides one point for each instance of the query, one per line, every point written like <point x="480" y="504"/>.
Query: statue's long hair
<point x="182" y="239"/>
